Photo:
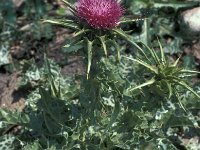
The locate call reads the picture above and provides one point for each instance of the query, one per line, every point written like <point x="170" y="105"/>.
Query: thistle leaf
<point x="162" y="53"/>
<point x="53" y="87"/>
<point x="183" y="84"/>
<point x="189" y="71"/>
<point x="129" y="20"/>
<point x="117" y="47"/>
<point x="73" y="10"/>
<point x="143" y="64"/>
<point x="169" y="86"/>
<point x="118" y="50"/>
<point x="89" y="51"/>
<point x="143" y="85"/>
<point x="153" y="54"/>
<point x="176" y="62"/>
<point x="64" y="24"/>
<point x="126" y="37"/>
<point x="73" y="46"/>
<point x="83" y="31"/>
<point x="114" y="114"/>
<point x="181" y="104"/>
<point x="103" y="42"/>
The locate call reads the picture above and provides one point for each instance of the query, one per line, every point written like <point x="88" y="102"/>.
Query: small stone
<point x="192" y="18"/>
<point x="190" y="23"/>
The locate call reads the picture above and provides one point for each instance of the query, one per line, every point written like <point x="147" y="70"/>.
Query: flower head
<point x="100" y="14"/>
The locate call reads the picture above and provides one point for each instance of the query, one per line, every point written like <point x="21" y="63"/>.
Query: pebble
<point x="190" y="22"/>
<point x="191" y="18"/>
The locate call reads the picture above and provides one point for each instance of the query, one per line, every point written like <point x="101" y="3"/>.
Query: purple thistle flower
<point x="100" y="14"/>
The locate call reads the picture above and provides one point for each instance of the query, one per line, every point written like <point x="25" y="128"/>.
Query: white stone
<point x="191" y="18"/>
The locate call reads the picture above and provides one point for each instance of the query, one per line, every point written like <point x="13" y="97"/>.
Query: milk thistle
<point x="95" y="23"/>
<point x="100" y="14"/>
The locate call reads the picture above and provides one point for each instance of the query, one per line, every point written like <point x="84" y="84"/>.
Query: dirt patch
<point x="75" y="66"/>
<point x="10" y="97"/>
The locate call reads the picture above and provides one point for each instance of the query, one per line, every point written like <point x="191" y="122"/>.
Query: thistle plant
<point x="106" y="109"/>
<point x="96" y="24"/>
<point x="165" y="76"/>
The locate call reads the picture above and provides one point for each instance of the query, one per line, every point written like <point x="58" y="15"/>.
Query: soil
<point x="10" y="97"/>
